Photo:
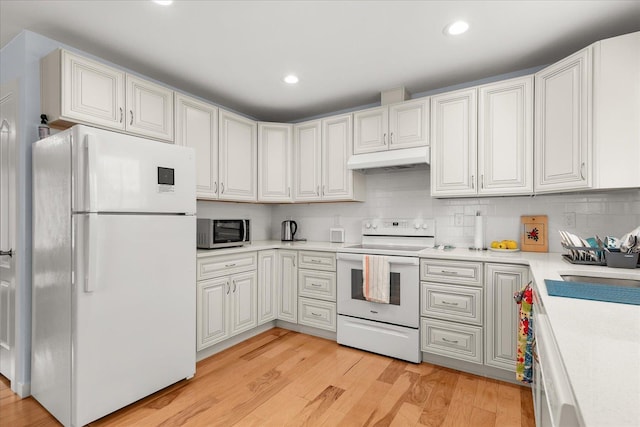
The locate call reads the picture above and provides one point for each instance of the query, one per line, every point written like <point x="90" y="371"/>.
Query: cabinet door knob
<point x="222" y="188"/>
<point x="215" y="187"/>
<point x="391" y="138"/>
<point x="582" y="171"/>
<point x="131" y="122"/>
<point x="234" y="286"/>
<point x="228" y="287"/>
<point x="121" y="114"/>
<point x="384" y="139"/>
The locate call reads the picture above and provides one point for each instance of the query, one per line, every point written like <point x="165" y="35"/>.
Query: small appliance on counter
<point x="223" y="233"/>
<point x="289" y="229"/>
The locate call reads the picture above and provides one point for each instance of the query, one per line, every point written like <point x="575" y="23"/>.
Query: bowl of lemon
<point x="504" y="246"/>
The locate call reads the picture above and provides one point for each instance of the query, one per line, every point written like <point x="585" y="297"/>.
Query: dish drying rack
<point x="584" y="255"/>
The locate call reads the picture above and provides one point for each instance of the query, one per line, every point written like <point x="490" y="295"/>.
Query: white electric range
<point x="390" y="329"/>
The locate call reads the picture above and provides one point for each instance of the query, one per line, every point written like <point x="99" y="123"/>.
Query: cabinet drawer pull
<point x="121" y="114"/>
<point x="391" y="138"/>
<point x="316" y="314"/>
<point x="384" y="139"/>
<point x="317" y="261"/>
<point x="315" y="285"/>
<point x="222" y="188"/>
<point x="228" y="287"/>
<point x="131" y="123"/>
<point x="582" y="171"/>
<point x="373" y="311"/>
<point x="215" y="187"/>
<point x="234" y="286"/>
<point x="323" y="190"/>
<point x="453" y="273"/>
<point x="450" y="341"/>
<point x="473" y="182"/>
<point x="230" y="265"/>
<point x="449" y="303"/>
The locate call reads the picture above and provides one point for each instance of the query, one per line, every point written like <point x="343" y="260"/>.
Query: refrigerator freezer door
<point x="134" y="324"/>
<point x="115" y="172"/>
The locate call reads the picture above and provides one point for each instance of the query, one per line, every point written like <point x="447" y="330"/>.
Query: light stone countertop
<point x="599" y="342"/>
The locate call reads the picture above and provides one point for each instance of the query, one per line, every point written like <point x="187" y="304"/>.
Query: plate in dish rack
<point x="504" y="250"/>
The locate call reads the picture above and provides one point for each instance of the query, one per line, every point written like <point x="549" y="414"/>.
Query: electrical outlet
<point x="458" y="220"/>
<point x="569" y="219"/>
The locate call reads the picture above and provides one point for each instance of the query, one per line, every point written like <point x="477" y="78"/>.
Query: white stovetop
<point x="599" y="342"/>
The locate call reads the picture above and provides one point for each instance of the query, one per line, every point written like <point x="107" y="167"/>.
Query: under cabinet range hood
<point x="391" y="159"/>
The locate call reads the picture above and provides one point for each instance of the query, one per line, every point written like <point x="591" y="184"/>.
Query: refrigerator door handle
<point x="90" y="167"/>
<point x="92" y="256"/>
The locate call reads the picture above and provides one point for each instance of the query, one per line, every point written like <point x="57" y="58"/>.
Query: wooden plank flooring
<point x="283" y="378"/>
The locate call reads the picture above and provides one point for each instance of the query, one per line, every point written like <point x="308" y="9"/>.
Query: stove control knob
<point x="417" y="226"/>
<point x="367" y="225"/>
<point x="425" y="226"/>
<point x="375" y="226"/>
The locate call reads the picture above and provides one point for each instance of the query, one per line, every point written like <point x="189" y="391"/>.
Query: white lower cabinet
<point x="501" y="321"/>
<point x="463" y="342"/>
<point x="226" y="303"/>
<point x="267" y="286"/>
<point x="468" y="312"/>
<point x="317" y="290"/>
<point x="288" y="285"/>
<point x="451" y="309"/>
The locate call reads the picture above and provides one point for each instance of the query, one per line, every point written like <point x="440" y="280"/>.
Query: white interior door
<point x="8" y="210"/>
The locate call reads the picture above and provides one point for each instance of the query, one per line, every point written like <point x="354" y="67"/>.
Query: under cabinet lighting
<point x="456" y="28"/>
<point x="291" y="79"/>
<point x="163" y="2"/>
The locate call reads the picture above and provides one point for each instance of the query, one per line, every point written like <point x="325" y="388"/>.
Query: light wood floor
<point x="283" y="378"/>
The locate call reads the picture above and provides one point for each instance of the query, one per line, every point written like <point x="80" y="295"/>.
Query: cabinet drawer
<point x="317" y="260"/>
<point x="317" y="284"/>
<point x="451" y="302"/>
<point x="462" y="272"/>
<point x="450" y="339"/>
<point x="319" y="314"/>
<point x="222" y="265"/>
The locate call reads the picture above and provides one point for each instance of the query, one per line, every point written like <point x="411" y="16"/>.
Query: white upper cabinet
<point x="587" y="127"/>
<point x="197" y="127"/>
<point x="505" y="137"/>
<point x="400" y="125"/>
<point x="563" y="92"/>
<point x="238" y="150"/>
<point x="482" y="140"/>
<point x="453" y="143"/>
<point x="307" y="161"/>
<point x="149" y="109"/>
<point x="321" y="151"/>
<point x="338" y="182"/>
<point x="75" y="89"/>
<point x="275" y="162"/>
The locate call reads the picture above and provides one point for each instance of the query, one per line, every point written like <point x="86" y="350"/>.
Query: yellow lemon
<point x="511" y="244"/>
<point x="502" y="245"/>
<point x="494" y="244"/>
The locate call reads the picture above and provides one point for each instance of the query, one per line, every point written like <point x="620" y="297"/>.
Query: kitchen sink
<point x="632" y="283"/>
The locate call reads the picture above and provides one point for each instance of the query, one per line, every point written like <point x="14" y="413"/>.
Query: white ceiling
<point x="235" y="53"/>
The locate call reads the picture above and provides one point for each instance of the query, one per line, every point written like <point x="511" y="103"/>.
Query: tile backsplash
<point x="406" y="194"/>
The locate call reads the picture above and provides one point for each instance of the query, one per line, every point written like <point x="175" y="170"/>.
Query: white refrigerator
<point x="114" y="271"/>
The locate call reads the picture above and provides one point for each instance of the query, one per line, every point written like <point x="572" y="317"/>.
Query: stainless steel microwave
<point x="223" y="233"/>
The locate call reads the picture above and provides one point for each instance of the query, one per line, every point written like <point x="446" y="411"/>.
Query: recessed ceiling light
<point x="163" y="2"/>
<point x="291" y="79"/>
<point x="456" y="28"/>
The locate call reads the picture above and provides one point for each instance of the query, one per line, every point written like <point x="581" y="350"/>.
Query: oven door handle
<point x="392" y="259"/>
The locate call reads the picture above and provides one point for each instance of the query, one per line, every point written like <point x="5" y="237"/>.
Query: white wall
<point x="406" y="194"/>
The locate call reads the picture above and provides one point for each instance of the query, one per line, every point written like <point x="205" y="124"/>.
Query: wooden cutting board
<point x="535" y="237"/>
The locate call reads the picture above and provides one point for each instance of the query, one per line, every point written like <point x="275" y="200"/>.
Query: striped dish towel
<point x="375" y="278"/>
<point x="524" y="358"/>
